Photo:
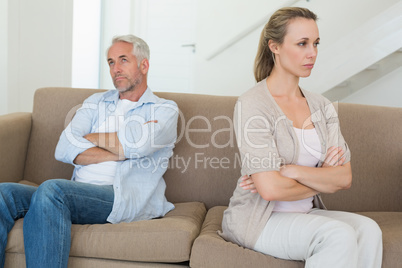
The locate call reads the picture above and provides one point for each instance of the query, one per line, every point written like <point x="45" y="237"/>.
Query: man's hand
<point x="108" y="148"/>
<point x="95" y="155"/>
<point x="107" y="141"/>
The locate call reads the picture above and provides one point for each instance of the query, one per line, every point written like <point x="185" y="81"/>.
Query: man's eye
<point x="111" y="63"/>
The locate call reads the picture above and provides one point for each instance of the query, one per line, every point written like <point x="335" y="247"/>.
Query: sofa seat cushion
<point x="391" y="227"/>
<point x="168" y="239"/>
<point x="226" y="254"/>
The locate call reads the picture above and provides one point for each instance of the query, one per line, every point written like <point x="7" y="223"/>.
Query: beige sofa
<point x="200" y="180"/>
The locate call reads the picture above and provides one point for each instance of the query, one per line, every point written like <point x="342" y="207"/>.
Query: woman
<point x="292" y="150"/>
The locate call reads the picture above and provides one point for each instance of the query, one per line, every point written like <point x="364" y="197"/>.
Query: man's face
<point x="124" y="67"/>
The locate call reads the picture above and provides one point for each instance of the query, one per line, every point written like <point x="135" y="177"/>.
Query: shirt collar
<point x="147" y="97"/>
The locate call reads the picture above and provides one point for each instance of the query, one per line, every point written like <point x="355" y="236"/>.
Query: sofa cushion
<point x="205" y="151"/>
<point x="373" y="134"/>
<point x="206" y="162"/>
<point x="18" y="260"/>
<point x="167" y="239"/>
<point x="53" y="109"/>
<point x="390" y="224"/>
<point x="226" y="254"/>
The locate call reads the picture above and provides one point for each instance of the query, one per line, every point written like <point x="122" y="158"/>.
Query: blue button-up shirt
<point x="148" y="135"/>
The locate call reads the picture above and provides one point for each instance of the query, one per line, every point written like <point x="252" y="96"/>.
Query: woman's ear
<point x="274" y="47"/>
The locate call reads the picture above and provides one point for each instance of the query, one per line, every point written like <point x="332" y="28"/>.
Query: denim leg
<point x="14" y="204"/>
<point x="54" y="207"/>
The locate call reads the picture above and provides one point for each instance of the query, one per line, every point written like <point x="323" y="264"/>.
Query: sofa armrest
<point x="15" y="130"/>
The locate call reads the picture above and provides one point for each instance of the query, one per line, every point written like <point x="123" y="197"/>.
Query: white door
<point x="169" y="30"/>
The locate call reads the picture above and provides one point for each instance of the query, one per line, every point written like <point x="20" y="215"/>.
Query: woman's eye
<point x="301" y="44"/>
<point x="316" y="44"/>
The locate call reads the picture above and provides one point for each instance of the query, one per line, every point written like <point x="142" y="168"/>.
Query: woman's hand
<point x="334" y="157"/>
<point x="334" y="175"/>
<point x="248" y="184"/>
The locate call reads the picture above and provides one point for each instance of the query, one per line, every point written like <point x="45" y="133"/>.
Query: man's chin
<point x="121" y="87"/>
<point x="124" y="89"/>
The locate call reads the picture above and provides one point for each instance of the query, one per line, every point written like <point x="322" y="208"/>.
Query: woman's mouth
<point x="309" y="66"/>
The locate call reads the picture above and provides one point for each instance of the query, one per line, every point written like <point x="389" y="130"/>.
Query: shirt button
<point x="112" y="107"/>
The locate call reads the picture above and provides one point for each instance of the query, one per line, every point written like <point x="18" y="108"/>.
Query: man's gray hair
<point x="140" y="47"/>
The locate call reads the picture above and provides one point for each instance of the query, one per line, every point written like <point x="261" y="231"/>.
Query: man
<point x="120" y="142"/>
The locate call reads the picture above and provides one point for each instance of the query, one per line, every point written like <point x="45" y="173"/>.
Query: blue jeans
<point x="48" y="212"/>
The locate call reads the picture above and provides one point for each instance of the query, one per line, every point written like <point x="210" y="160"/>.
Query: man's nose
<point x="116" y="68"/>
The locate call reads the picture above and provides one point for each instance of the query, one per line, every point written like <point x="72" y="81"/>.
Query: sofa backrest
<point x="374" y="135"/>
<point x="50" y="111"/>
<point x="206" y="163"/>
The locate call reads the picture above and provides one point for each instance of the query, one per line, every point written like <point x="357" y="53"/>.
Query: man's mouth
<point x="119" y="78"/>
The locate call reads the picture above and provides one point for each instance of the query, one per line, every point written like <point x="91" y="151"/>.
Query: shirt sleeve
<point x="72" y="142"/>
<point x="141" y="136"/>
<point x="255" y="139"/>
<point x="335" y="137"/>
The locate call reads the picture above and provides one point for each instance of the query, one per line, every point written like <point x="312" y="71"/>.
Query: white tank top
<point x="104" y="173"/>
<point x="309" y="155"/>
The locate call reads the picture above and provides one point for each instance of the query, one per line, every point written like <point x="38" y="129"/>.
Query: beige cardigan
<point x="267" y="140"/>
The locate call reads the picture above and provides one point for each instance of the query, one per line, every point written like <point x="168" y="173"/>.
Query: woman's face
<point x="298" y="52"/>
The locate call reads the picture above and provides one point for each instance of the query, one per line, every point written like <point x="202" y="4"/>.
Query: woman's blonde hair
<point x="275" y="30"/>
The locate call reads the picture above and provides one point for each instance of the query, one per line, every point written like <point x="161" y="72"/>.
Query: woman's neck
<point x="281" y="83"/>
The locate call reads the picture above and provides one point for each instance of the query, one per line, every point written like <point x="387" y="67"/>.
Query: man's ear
<point x="144" y="66"/>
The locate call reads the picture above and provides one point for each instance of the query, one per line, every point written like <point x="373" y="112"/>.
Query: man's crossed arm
<point x="108" y="148"/>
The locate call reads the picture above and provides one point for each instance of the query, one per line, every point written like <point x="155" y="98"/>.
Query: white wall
<point x="231" y="72"/>
<point x="168" y="29"/>
<point x="117" y="20"/>
<point x="220" y="21"/>
<point x="165" y="25"/>
<point x="3" y="57"/>
<point x="386" y="91"/>
<point x="362" y="43"/>
<point x="86" y="37"/>
<point x="39" y="48"/>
